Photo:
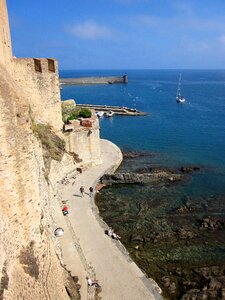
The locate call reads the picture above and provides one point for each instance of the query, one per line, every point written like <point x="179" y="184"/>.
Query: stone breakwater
<point x="118" y="110"/>
<point x="94" y="80"/>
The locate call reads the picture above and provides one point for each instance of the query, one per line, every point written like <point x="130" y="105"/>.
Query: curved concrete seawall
<point x="102" y="257"/>
<point x="94" y="80"/>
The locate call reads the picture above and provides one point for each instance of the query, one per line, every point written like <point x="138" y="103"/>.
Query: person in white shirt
<point x="92" y="282"/>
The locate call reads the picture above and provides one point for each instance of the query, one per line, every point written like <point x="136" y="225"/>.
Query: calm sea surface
<point x="190" y="133"/>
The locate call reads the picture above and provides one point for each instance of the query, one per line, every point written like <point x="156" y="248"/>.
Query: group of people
<point x="65" y="180"/>
<point x="65" y="209"/>
<point x="110" y="232"/>
<point x="91" y="190"/>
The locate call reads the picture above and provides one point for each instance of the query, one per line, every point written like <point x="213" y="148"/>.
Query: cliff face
<point x="29" y="266"/>
<point x="30" y="169"/>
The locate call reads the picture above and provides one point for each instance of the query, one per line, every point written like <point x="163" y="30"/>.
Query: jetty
<point x="118" y="110"/>
<point x="94" y="80"/>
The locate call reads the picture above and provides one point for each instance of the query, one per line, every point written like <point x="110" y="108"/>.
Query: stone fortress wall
<point x="5" y="38"/>
<point x="36" y="77"/>
<point x="30" y="266"/>
<point x="84" y="139"/>
<point x="39" y="78"/>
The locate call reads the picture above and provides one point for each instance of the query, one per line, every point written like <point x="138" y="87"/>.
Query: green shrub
<point x="69" y="112"/>
<point x="85" y="113"/>
<point x="72" y="117"/>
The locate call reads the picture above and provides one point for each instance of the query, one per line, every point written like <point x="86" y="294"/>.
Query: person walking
<point x="92" y="282"/>
<point x="82" y="191"/>
<point x="65" y="210"/>
<point x="91" y="190"/>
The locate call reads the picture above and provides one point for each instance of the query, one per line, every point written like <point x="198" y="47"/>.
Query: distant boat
<point x="179" y="97"/>
<point x="110" y="114"/>
<point x="99" y="114"/>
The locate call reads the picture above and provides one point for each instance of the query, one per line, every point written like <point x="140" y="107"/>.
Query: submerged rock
<point x="189" y="169"/>
<point x="134" y="178"/>
<point x="135" y="154"/>
<point x="168" y="285"/>
<point x="211" y="223"/>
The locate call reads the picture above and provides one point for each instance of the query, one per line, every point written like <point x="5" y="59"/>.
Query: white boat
<point x="179" y="97"/>
<point x="110" y="114"/>
<point x="99" y="114"/>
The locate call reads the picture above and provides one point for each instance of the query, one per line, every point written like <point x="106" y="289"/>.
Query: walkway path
<point x="119" y="277"/>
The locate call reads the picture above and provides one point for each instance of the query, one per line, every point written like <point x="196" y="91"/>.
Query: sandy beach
<point x="88" y="251"/>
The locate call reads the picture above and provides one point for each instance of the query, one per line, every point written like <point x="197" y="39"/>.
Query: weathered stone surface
<point x="211" y="223"/>
<point x="27" y="251"/>
<point x="29" y="262"/>
<point x="134" y="178"/>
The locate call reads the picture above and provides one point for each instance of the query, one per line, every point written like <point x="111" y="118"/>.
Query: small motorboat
<point x="179" y="97"/>
<point x="110" y="114"/>
<point x="99" y="114"/>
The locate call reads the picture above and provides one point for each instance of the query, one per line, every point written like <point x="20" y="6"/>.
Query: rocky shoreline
<point x="149" y="175"/>
<point x="179" y="244"/>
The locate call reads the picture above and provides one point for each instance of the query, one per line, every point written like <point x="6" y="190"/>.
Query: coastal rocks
<point x="135" y="154"/>
<point x="137" y="238"/>
<point x="168" y="285"/>
<point x="185" y="233"/>
<point x="212" y="289"/>
<point x="189" y="169"/>
<point x="189" y="206"/>
<point x="156" y="170"/>
<point x="198" y="283"/>
<point x="211" y="223"/>
<point x="184" y="209"/>
<point x="165" y="228"/>
<point x="145" y="178"/>
<point x="149" y="174"/>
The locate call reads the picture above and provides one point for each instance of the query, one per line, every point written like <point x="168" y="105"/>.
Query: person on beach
<point x="92" y="282"/>
<point x="116" y="236"/>
<point x="82" y="191"/>
<point x="65" y="210"/>
<point x="91" y="190"/>
<point x="112" y="234"/>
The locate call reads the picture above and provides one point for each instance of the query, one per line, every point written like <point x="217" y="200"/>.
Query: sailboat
<point x="179" y="97"/>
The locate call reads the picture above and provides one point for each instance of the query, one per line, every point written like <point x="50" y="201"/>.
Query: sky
<point x="121" y="34"/>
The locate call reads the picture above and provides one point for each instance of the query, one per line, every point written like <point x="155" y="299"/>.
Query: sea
<point x="175" y="134"/>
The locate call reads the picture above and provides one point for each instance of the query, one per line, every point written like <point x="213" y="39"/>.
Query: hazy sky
<point x="121" y="34"/>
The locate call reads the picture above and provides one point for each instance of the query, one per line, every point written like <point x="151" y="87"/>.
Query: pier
<point x="118" y="110"/>
<point x="94" y="80"/>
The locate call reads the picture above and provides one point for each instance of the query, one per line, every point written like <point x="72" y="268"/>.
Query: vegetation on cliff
<point x="71" y="112"/>
<point x="52" y="144"/>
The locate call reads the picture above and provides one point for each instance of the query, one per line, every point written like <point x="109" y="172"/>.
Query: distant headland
<point x="94" y="80"/>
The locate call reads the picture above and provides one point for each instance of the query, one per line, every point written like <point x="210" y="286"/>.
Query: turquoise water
<point x="191" y="133"/>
